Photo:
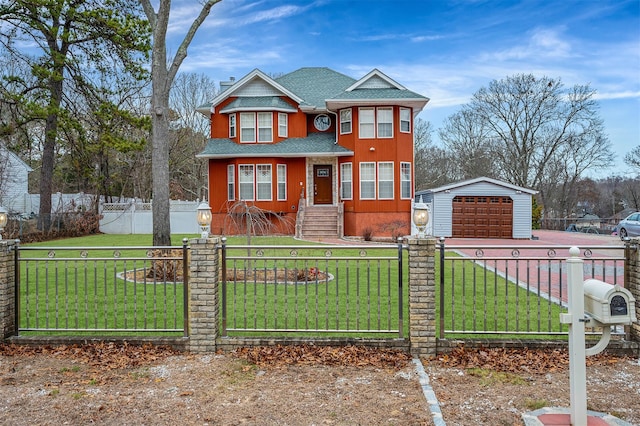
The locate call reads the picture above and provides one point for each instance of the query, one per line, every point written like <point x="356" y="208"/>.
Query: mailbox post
<point x="596" y="304"/>
<point x="577" y="352"/>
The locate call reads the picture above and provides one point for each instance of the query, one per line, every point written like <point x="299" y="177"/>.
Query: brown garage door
<point x="482" y="217"/>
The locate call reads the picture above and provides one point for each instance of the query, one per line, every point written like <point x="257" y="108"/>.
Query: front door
<point x="322" y="184"/>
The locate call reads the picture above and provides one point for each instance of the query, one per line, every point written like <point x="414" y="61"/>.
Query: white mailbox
<point x="609" y="304"/>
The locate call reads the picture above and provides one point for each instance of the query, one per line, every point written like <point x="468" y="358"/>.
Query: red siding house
<point x="331" y="154"/>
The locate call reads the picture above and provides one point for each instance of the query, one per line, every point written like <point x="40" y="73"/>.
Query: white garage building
<point x="479" y="208"/>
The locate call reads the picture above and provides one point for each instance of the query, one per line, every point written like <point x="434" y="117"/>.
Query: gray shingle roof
<point x="315" y="85"/>
<point x="316" y="144"/>
<point x="259" y="102"/>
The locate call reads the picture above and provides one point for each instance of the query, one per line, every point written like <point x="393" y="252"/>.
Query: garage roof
<point x="477" y="180"/>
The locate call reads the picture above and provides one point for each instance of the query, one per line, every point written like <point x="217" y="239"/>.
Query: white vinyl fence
<point x="137" y="218"/>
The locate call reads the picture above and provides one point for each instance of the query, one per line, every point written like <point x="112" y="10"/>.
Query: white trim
<point x="375" y="73"/>
<point x="234" y="127"/>
<point x="483" y="179"/>
<point x="393" y="182"/>
<point x="343" y="181"/>
<point x="281" y="196"/>
<point x="406" y="121"/>
<point x="350" y="121"/>
<point x="253" y="182"/>
<point x="231" y="182"/>
<point x="373" y="163"/>
<point x="283" y="123"/>
<point x="402" y="163"/>
<point x="264" y="183"/>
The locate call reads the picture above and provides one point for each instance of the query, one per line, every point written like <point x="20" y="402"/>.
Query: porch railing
<point x="102" y="289"/>
<point x="313" y="290"/>
<point x="513" y="289"/>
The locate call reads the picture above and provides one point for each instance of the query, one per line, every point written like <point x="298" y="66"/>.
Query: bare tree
<point x="431" y="162"/>
<point x="163" y="74"/>
<point x="540" y="135"/>
<point x="633" y="159"/>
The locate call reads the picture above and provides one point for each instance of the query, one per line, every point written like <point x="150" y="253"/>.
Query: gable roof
<point x="316" y="89"/>
<point x="13" y="159"/>
<point x="478" y="180"/>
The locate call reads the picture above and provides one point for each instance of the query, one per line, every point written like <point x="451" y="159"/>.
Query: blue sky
<point x="445" y="50"/>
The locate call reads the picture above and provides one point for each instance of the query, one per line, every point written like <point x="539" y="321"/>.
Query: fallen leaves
<point x="532" y="361"/>
<point x="281" y="355"/>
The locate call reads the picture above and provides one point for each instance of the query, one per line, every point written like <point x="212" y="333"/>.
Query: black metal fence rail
<point x="102" y="289"/>
<point x="513" y="289"/>
<point x="311" y="289"/>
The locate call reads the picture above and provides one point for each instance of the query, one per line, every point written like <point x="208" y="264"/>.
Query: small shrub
<point x="367" y="234"/>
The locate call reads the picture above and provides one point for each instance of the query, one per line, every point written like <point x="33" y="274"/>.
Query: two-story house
<point x="338" y="149"/>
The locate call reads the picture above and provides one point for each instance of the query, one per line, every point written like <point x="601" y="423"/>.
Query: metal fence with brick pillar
<point x="632" y="280"/>
<point x="203" y="315"/>
<point x="422" y="296"/>
<point x="8" y="324"/>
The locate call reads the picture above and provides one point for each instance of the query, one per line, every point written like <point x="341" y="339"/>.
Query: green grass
<point x="362" y="295"/>
<point x="478" y="300"/>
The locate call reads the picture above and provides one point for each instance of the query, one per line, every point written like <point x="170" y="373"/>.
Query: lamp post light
<point x="420" y="217"/>
<point x="204" y="218"/>
<point x="3" y="219"/>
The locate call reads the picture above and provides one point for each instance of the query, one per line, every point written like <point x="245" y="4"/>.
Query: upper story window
<point x="248" y="126"/>
<point x="385" y="122"/>
<point x="232" y="126"/>
<point x="366" y="123"/>
<point x="345" y="121"/>
<point x="283" y="127"/>
<point x="375" y="122"/>
<point x="405" y="120"/>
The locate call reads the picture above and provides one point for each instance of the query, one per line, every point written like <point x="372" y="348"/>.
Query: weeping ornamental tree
<point x="534" y="133"/>
<point x="163" y="72"/>
<point x="68" y="40"/>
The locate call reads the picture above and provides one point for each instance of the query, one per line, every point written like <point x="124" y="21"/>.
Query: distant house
<point x="337" y="148"/>
<point x="14" y="182"/>
<point x="479" y="208"/>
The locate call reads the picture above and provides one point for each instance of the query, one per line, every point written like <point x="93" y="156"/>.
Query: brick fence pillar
<point x="8" y="326"/>
<point x="422" y="296"/>
<point x="632" y="280"/>
<point x="203" y="314"/>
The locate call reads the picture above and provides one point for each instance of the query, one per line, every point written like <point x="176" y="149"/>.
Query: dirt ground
<point x="110" y="384"/>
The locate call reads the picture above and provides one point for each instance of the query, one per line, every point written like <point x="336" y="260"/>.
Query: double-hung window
<point x="385" y="122"/>
<point x="405" y="120"/>
<point x="282" y="125"/>
<point x="368" y="181"/>
<point x="263" y="182"/>
<point x="265" y="127"/>
<point x="282" y="182"/>
<point x="245" y="181"/>
<point x="231" y="183"/>
<point x="405" y="180"/>
<point x="232" y="126"/>
<point x="345" y="121"/>
<point x="346" y="181"/>
<point x="385" y="180"/>
<point x="247" y="127"/>
<point x="367" y="126"/>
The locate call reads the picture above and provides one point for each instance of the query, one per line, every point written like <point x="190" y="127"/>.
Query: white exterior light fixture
<point x="420" y="216"/>
<point x="204" y="218"/>
<point x="3" y="219"/>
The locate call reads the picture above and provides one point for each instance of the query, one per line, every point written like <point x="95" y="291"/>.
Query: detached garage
<point x="479" y="208"/>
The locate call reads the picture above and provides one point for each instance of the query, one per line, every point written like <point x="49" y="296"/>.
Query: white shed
<point x="479" y="208"/>
<point x="14" y="181"/>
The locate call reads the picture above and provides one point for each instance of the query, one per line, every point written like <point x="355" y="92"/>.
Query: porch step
<point x="320" y="222"/>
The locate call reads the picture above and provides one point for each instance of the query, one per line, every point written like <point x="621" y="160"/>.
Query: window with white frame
<point x="385" y="122"/>
<point x="385" y="180"/>
<point x="263" y="182"/>
<point x="247" y="127"/>
<point x="245" y="181"/>
<point x="265" y="127"/>
<point x="283" y="128"/>
<point x="231" y="183"/>
<point x="346" y="181"/>
<point x="345" y="121"/>
<point x="366" y="123"/>
<point x="405" y="120"/>
<point x="232" y="125"/>
<point x="405" y="180"/>
<point x="282" y="182"/>
<point x="368" y="181"/>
